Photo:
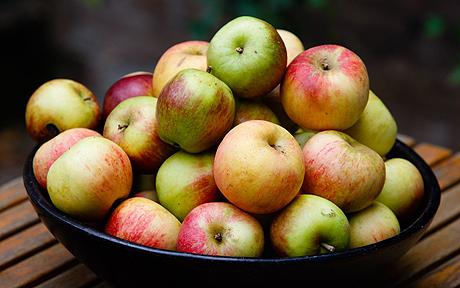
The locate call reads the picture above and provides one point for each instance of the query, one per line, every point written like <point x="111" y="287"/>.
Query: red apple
<point x="87" y="179"/>
<point x="59" y="105"/>
<point x="258" y="167"/>
<point x="342" y="170"/>
<point x="189" y="54"/>
<point x="132" y="125"/>
<point x="325" y="88"/>
<point x="54" y="148"/>
<point x="144" y="222"/>
<point x="219" y="228"/>
<point x="131" y="85"/>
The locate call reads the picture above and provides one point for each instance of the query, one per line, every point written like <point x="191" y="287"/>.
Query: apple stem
<point x="239" y="50"/>
<point x="209" y="69"/>
<point x="218" y="237"/>
<point x="328" y="247"/>
<point x="324" y="64"/>
<point x="122" y="127"/>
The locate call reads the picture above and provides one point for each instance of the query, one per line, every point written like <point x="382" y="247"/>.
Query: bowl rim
<point x="432" y="191"/>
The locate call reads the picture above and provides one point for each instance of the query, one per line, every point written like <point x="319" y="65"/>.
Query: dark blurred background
<point x="410" y="47"/>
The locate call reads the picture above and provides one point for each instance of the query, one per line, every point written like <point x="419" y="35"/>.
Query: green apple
<point x="59" y="105"/>
<point x="184" y="181"/>
<point x="303" y="135"/>
<point x="132" y="126"/>
<point x="403" y="189"/>
<point x="194" y="110"/>
<point x="249" y="55"/>
<point x="376" y="127"/>
<point x="253" y="110"/>
<point x="87" y="179"/>
<point x="309" y="225"/>
<point x="372" y="224"/>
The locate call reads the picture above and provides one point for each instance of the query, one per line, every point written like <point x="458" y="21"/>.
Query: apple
<point x="325" y="88"/>
<point x="403" y="189"/>
<point x="143" y="221"/>
<point x="376" y="128"/>
<point x="303" y="135"/>
<point x="293" y="44"/>
<point x="132" y="126"/>
<point x="342" y="170"/>
<point x="54" y="148"/>
<point x="294" y="47"/>
<point x="185" y="181"/>
<point x="87" y="179"/>
<point x="188" y="54"/>
<point x="131" y="85"/>
<point x="309" y="225"/>
<point x="220" y="228"/>
<point x="149" y="194"/>
<point x="59" y="105"/>
<point x="258" y="167"/>
<point x="253" y="110"/>
<point x="194" y="111"/>
<point x="372" y="224"/>
<point x="249" y="55"/>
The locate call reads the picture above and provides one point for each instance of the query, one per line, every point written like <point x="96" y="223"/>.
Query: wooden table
<point x="30" y="256"/>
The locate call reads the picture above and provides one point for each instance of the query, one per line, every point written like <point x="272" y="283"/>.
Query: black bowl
<point x="125" y="264"/>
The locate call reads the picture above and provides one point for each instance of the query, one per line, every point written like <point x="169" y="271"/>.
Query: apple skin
<point x="59" y="105"/>
<point x="144" y="222"/>
<point x="249" y="55"/>
<point x="149" y="194"/>
<point x="131" y="85"/>
<point x="221" y="229"/>
<point x="133" y="127"/>
<point x="54" y="148"/>
<point x="294" y="47"/>
<point x="293" y="44"/>
<point x="403" y="189"/>
<point x="185" y="181"/>
<point x="253" y="110"/>
<point x="376" y="128"/>
<point x="325" y="88"/>
<point x="188" y="54"/>
<point x="307" y="225"/>
<point x="194" y="111"/>
<point x="258" y="167"/>
<point x="372" y="224"/>
<point x="87" y="179"/>
<point x="302" y="136"/>
<point x="342" y="170"/>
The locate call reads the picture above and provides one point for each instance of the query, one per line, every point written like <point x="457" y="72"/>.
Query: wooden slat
<point x="432" y="154"/>
<point x="16" y="218"/>
<point x="449" y="208"/>
<point x="35" y="268"/>
<point x="75" y="277"/>
<point x="24" y="243"/>
<point x="12" y="193"/>
<point x="409" y="141"/>
<point x="448" y="171"/>
<point x="444" y="276"/>
<point x="428" y="252"/>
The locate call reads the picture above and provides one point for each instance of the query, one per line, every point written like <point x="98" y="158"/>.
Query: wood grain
<point x="16" y="218"/>
<point x="24" y="243"/>
<point x="449" y="208"/>
<point x="76" y="277"/>
<point x="12" y="193"/>
<point x="444" y="276"/>
<point x="426" y="253"/>
<point x="36" y="267"/>
<point x="448" y="171"/>
<point x="432" y="154"/>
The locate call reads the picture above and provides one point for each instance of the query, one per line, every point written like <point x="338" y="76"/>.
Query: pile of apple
<point x="255" y="145"/>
